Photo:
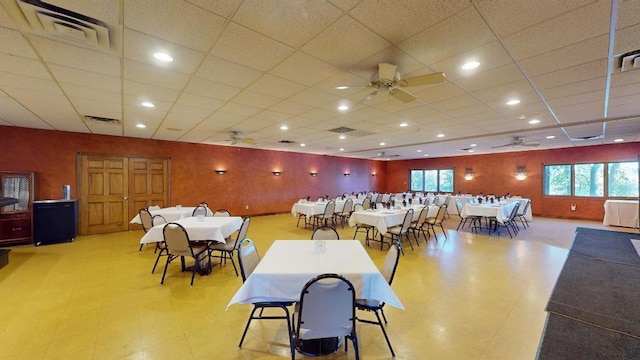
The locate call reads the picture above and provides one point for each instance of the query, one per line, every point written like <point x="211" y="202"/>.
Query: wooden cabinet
<point x="16" y="220"/>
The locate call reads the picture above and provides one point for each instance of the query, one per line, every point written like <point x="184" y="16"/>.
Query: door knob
<point x="126" y="197"/>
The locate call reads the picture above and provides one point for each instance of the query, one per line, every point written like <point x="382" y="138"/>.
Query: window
<point x="440" y="180"/>
<point x="623" y="179"/>
<point x="588" y="180"/>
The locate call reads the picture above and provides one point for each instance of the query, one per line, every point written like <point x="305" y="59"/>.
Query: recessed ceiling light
<point x="513" y="102"/>
<point x="303" y="144"/>
<point x="343" y="107"/>
<point x="418" y="150"/>
<point x="148" y="104"/>
<point x="619" y="140"/>
<point x="342" y="137"/>
<point x="164" y="57"/>
<point x="141" y="126"/>
<point x="383" y="144"/>
<point x="404" y="124"/>
<point x="522" y="117"/>
<point x="470" y="150"/>
<point x="534" y="121"/>
<point x="284" y="127"/>
<point x="551" y="137"/>
<point x="341" y="87"/>
<point x="440" y="135"/>
<point x="426" y="155"/>
<point x="470" y="65"/>
<point x="472" y="145"/>
<point x="341" y="149"/>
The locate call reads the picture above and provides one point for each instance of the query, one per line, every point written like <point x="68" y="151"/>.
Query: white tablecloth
<point x="170" y="214"/>
<point x="384" y="219"/>
<point x="621" y="213"/>
<point x="206" y="228"/>
<point x="500" y="211"/>
<point x="313" y="208"/>
<point x="289" y="264"/>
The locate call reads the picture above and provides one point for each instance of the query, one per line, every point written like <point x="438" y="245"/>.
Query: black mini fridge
<point x="54" y="221"/>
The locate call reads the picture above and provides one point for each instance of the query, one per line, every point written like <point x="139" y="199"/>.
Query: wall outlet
<point x="573" y="207"/>
<point x="246" y="207"/>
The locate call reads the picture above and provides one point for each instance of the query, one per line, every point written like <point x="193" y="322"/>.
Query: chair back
<point x="379" y="198"/>
<point x="145" y="219"/>
<point x="447" y="199"/>
<point x="440" y="216"/>
<point x="329" y="209"/>
<point x="200" y="210"/>
<point x="222" y="213"/>
<point x="526" y="202"/>
<point x="326" y="308"/>
<point x="366" y="203"/>
<point x="248" y="258"/>
<point x="242" y="233"/>
<point x="177" y="240"/>
<point x="325" y="233"/>
<point x="514" y="212"/>
<point x="459" y="206"/>
<point x="158" y="220"/>
<point x="348" y="207"/>
<point x="358" y="207"/>
<point x="422" y="216"/>
<point x="390" y="263"/>
<point x="408" y="218"/>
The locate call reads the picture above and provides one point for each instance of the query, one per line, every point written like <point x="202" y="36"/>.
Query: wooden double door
<point x="114" y="188"/>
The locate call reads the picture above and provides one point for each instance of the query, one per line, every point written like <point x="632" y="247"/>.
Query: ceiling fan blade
<point x="387" y="71"/>
<point x="531" y="144"/>
<point x="501" y="146"/>
<point x="434" y="78"/>
<point x="402" y="95"/>
<point x="234" y="141"/>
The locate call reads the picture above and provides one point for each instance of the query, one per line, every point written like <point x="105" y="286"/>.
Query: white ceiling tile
<point x="304" y="69"/>
<point x="239" y="109"/>
<point x="255" y="99"/>
<point x="226" y="72"/>
<point x="14" y="113"/>
<point x="401" y="22"/>
<point x="293" y="25"/>
<point x="290" y="108"/>
<point x="148" y="92"/>
<point x="222" y="8"/>
<point x="490" y="56"/>
<point x="581" y="24"/>
<point x="177" y="21"/>
<point x="491" y="78"/>
<point x="627" y="40"/>
<point x="343" y="51"/>
<point x="69" y="75"/>
<point x="448" y="38"/>
<point x="54" y="52"/>
<point x="141" y="47"/>
<point x="246" y="47"/>
<point x="276" y="86"/>
<point x="570" y="75"/>
<point x="211" y="89"/>
<point x="23" y="66"/>
<point x="313" y="97"/>
<point x="152" y="75"/>
<point x="19" y="47"/>
<point x="203" y="102"/>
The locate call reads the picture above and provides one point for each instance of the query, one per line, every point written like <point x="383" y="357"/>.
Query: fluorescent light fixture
<point x="513" y="102"/>
<point x="164" y="57"/>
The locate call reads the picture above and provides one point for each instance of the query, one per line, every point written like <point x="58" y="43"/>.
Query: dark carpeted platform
<point x="594" y="310"/>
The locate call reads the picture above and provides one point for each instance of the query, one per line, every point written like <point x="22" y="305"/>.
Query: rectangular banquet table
<point x="313" y="208"/>
<point x="621" y="213"/>
<point x="384" y="219"/>
<point x="289" y="264"/>
<point x="199" y="229"/>
<point x="170" y="214"/>
<point x="501" y="211"/>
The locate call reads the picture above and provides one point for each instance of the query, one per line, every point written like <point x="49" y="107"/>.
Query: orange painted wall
<point x="249" y="179"/>
<point x="494" y="174"/>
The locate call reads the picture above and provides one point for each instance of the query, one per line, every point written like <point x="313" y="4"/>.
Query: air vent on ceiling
<point x="342" y="130"/>
<point x="589" y="137"/>
<point x="102" y="120"/>
<point x="630" y="61"/>
<point x="361" y="133"/>
<point x="286" y="142"/>
<point x="57" y="23"/>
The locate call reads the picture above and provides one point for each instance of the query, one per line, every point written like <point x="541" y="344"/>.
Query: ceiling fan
<point x="237" y="137"/>
<point x="384" y="156"/>
<point x="517" y="141"/>
<point x="387" y="78"/>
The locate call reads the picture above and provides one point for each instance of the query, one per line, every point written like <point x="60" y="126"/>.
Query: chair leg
<point x="141" y="245"/>
<point x="166" y="265"/>
<point x="157" y="258"/>
<point x="244" y="333"/>
<point x="384" y="332"/>
<point x="233" y="263"/>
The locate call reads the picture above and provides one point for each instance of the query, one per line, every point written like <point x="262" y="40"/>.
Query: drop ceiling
<point x="256" y="67"/>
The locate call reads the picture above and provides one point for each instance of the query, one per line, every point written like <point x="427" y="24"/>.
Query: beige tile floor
<point x="469" y="297"/>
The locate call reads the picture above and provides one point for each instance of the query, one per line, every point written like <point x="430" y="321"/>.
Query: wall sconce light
<point x="221" y="172"/>
<point x="277" y="173"/>
<point x="313" y="173"/>
<point x="346" y="174"/>
<point x="468" y="174"/>
<point x="521" y="173"/>
<point x="374" y="174"/>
